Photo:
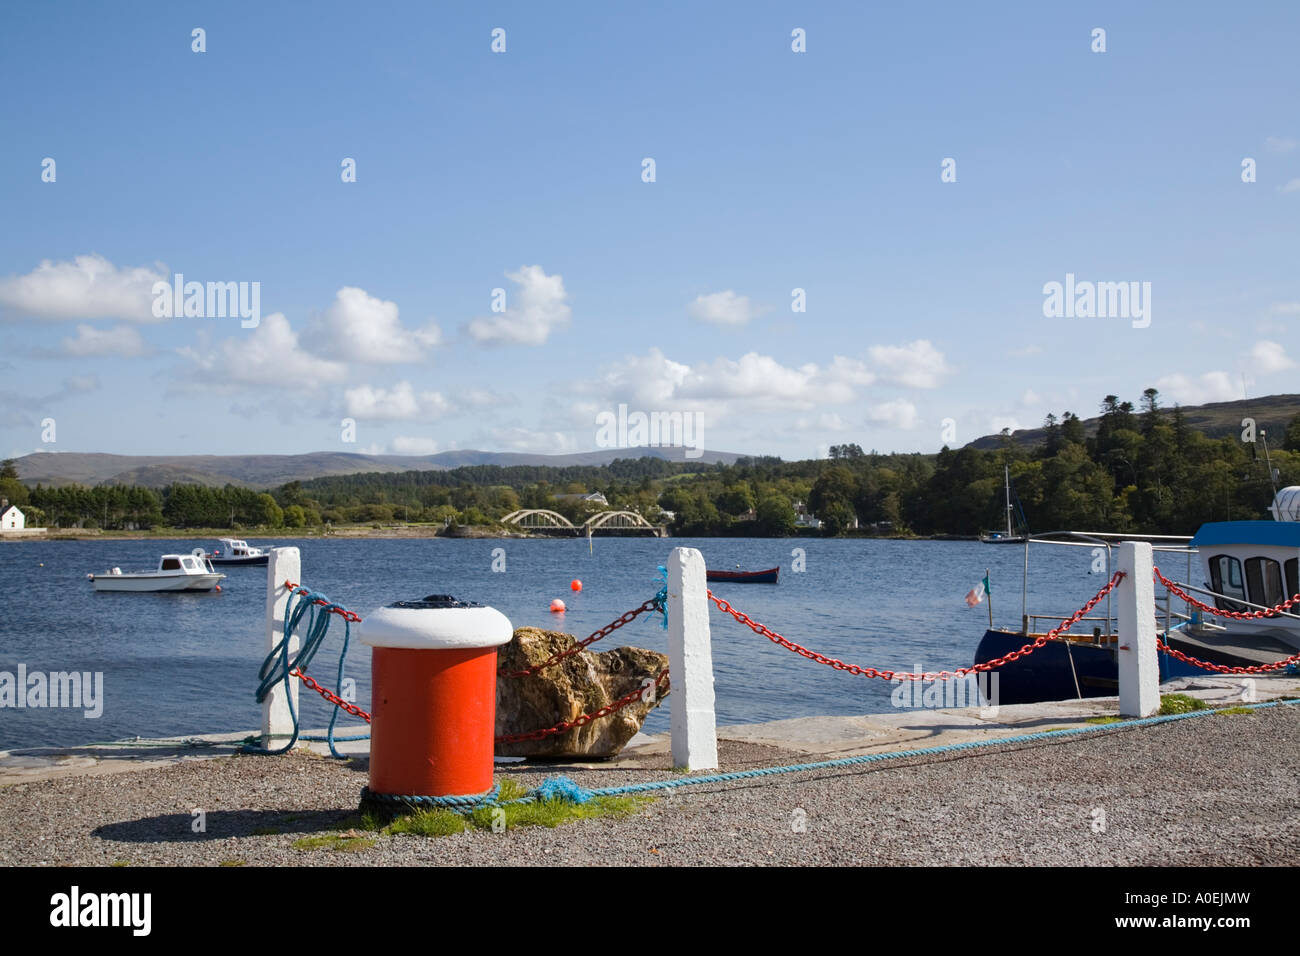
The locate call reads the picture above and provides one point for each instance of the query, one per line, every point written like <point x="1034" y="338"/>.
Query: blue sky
<point x="522" y="170"/>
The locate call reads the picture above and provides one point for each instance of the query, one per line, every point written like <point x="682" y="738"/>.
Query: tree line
<point x="1144" y="469"/>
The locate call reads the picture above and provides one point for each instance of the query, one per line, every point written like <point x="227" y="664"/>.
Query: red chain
<point x="605" y="631"/>
<point x="1235" y="615"/>
<point x="329" y="695"/>
<point x="911" y="675"/>
<point x="342" y="612"/>
<point x="660" y="684"/>
<point x="1223" y="668"/>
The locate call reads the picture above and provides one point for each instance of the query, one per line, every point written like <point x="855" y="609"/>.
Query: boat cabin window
<point x="1225" y="578"/>
<point x="189" y="564"/>
<point x="1264" y="580"/>
<point x="171" y="564"/>
<point x="1292" y="578"/>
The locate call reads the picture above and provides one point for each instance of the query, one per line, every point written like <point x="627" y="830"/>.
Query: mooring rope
<point x="565" y="788"/>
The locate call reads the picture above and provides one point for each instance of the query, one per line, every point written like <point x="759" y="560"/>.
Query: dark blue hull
<point x="1047" y="674"/>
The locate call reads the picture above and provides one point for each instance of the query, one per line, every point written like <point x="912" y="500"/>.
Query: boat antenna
<point x="1268" y="463"/>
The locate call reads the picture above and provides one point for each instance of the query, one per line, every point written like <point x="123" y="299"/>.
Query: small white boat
<point x="175" y="572"/>
<point x="235" y="551"/>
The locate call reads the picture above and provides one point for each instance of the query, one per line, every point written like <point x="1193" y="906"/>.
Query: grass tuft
<point x="347" y="842"/>
<point x="1180" y="704"/>
<point x="1104" y="719"/>
<point x="505" y="815"/>
<point x="1234" y="710"/>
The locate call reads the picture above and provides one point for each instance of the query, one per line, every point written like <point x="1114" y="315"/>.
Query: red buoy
<point x="575" y="585"/>
<point x="557" y="606"/>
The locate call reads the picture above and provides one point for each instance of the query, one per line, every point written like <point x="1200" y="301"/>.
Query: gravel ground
<point x="1218" y="790"/>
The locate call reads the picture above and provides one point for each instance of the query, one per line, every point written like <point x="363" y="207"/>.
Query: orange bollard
<point x="433" y="685"/>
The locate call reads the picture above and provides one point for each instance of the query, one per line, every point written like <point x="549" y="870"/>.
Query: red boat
<point x="745" y="577"/>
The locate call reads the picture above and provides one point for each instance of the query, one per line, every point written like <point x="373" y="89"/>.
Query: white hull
<point x="155" y="582"/>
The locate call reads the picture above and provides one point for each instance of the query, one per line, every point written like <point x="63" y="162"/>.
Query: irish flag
<point x="976" y="594"/>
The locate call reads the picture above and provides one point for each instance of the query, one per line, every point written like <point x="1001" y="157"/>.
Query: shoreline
<point x="419" y="531"/>
<point x="1124" y="794"/>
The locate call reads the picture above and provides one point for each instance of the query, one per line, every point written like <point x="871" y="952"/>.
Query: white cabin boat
<point x="175" y="572"/>
<point x="237" y="551"/>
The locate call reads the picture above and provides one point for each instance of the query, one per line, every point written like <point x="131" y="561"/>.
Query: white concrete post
<point x="1139" y="670"/>
<point x="284" y="564"/>
<point x="690" y="663"/>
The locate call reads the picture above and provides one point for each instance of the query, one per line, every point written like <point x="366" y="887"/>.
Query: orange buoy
<point x="575" y="585"/>
<point x="557" y="606"/>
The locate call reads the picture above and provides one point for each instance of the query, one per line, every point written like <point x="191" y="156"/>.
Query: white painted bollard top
<point x="437" y="622"/>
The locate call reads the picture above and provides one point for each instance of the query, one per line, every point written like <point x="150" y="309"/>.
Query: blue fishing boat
<point x="1244" y="566"/>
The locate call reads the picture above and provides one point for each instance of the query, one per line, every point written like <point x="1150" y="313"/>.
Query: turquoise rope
<point x="565" y="788"/>
<point x="277" y="667"/>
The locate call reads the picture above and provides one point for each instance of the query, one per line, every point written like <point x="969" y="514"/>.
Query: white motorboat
<point x="235" y="551"/>
<point x="175" y="572"/>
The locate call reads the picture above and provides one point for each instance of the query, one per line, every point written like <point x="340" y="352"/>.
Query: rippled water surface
<point x="187" y="663"/>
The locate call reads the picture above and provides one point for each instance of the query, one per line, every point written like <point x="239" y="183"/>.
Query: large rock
<point x="579" y="684"/>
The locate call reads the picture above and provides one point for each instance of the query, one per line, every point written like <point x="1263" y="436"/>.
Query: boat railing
<point x="1242" y="602"/>
<point x="1107" y="540"/>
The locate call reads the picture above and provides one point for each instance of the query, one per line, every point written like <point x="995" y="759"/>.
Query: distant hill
<point x="268" y="471"/>
<point x="1271" y="412"/>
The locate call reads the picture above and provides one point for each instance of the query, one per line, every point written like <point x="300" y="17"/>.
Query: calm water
<point x="187" y="663"/>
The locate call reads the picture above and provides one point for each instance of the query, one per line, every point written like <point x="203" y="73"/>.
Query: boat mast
<point x="1006" y="474"/>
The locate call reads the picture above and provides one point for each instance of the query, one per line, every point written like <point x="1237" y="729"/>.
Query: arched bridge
<point x="612" y="522"/>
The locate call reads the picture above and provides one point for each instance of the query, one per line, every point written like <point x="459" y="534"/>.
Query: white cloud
<point x="1280" y="144"/>
<point x="1210" y="387"/>
<point x="722" y="308"/>
<point x="374" y="448"/>
<point x="1291" y="185"/>
<point x="850" y="371"/>
<point x="88" y="287"/>
<point x="999" y="422"/>
<point x="414" y="445"/>
<point x="367" y="329"/>
<point x="917" y="364"/>
<point x="898" y="413"/>
<point x="753" y="382"/>
<point x="538" y="306"/>
<point x="1267" y="357"/>
<point x="534" y="440"/>
<point x="763" y="380"/>
<point x="121" y="340"/>
<point x="1285" y="308"/>
<point x="1030" y="398"/>
<point x="269" y="356"/>
<point x="399" y="403"/>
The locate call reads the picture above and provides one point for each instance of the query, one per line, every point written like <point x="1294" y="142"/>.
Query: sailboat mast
<point x="1006" y="475"/>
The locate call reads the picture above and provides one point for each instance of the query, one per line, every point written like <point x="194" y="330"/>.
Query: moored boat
<point x="745" y="577"/>
<point x="235" y="551"/>
<point x="1009" y="536"/>
<point x="175" y="572"/>
<point x="1245" y="566"/>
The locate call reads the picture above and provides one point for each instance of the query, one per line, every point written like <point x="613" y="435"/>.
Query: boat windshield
<point x="1225" y="578"/>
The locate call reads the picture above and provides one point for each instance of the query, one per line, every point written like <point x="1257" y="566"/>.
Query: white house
<point x="11" y="519"/>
